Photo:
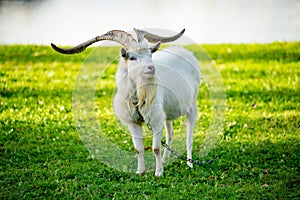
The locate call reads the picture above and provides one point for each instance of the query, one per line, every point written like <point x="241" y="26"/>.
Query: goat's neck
<point x="131" y="95"/>
<point x="142" y="93"/>
<point x="139" y="91"/>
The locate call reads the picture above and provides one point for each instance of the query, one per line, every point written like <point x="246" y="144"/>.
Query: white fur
<point x="157" y="99"/>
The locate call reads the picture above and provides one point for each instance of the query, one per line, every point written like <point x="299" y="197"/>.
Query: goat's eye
<point x="132" y="58"/>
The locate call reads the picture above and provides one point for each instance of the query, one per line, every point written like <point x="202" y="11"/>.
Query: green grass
<point x="42" y="155"/>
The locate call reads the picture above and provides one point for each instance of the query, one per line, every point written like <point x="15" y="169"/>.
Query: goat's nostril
<point x="151" y="68"/>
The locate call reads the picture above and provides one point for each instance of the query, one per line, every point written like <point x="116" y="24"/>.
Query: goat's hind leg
<point x="169" y="135"/>
<point x="191" y="120"/>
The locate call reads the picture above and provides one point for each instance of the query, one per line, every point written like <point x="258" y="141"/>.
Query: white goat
<point x="154" y="90"/>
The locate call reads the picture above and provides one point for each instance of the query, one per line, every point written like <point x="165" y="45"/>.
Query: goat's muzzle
<point x="150" y="69"/>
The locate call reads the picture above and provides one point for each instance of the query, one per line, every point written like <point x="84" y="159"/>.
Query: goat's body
<point x="177" y="79"/>
<point x="154" y="90"/>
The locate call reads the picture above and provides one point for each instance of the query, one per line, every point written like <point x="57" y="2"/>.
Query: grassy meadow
<point x="42" y="155"/>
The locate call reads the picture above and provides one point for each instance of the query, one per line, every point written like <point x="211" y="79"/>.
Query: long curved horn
<point x="121" y="37"/>
<point x="140" y="34"/>
<point x="156" y="38"/>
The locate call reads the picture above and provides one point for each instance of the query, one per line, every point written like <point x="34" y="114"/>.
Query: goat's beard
<point x="146" y="93"/>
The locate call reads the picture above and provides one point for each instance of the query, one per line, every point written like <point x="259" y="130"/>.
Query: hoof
<point x="159" y="172"/>
<point x="189" y="164"/>
<point x="141" y="173"/>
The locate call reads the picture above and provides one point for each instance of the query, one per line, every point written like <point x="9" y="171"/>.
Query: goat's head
<point x="138" y="60"/>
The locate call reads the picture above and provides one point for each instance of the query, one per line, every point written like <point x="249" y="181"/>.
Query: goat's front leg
<point x="157" y="123"/>
<point x="169" y="135"/>
<point x="156" y="146"/>
<point x="137" y="139"/>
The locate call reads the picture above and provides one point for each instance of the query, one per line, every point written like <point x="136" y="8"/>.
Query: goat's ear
<point x="155" y="47"/>
<point x="123" y="53"/>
